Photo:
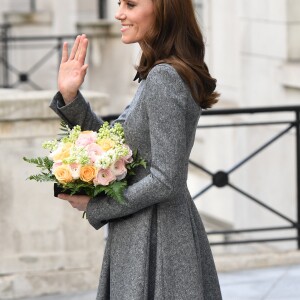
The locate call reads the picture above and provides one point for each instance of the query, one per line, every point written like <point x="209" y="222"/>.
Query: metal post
<point x="298" y="172"/>
<point x="4" y="37"/>
<point x="59" y="50"/>
<point x="102" y="9"/>
<point x="32" y="6"/>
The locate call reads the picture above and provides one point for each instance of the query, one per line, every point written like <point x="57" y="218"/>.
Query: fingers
<point x="84" y="69"/>
<point x="64" y="56"/>
<point x="68" y="198"/>
<point x="72" y="200"/>
<point x="75" y="47"/>
<point x="64" y="197"/>
<point x="82" y="49"/>
<point x="78" y="51"/>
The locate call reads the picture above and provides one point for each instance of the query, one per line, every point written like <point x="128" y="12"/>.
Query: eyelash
<point x="130" y="5"/>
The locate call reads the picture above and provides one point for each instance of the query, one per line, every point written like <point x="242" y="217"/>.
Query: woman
<point x="157" y="247"/>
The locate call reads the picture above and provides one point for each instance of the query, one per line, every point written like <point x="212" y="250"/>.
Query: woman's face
<point x="137" y="17"/>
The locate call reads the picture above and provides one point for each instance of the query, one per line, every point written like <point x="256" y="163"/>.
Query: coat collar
<point x="138" y="76"/>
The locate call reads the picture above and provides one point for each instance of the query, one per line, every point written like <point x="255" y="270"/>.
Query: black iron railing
<point x="13" y="75"/>
<point x="102" y="9"/>
<point x="32" y="5"/>
<point x="221" y="178"/>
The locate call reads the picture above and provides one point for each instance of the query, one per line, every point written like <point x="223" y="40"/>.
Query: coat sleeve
<point x="78" y="112"/>
<point x="164" y="97"/>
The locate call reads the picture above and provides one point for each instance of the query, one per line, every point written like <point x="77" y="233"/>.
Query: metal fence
<point x="221" y="178"/>
<point x="43" y="50"/>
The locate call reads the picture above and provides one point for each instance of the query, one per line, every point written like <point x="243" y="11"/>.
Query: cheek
<point x="146" y="25"/>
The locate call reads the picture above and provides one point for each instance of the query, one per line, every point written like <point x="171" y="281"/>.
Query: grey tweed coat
<point x="157" y="247"/>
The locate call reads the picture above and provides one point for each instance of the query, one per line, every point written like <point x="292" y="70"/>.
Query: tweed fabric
<point x="157" y="248"/>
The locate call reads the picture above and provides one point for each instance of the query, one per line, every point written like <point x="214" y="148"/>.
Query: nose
<point x="120" y="15"/>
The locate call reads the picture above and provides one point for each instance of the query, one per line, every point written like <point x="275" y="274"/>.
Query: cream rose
<point x="87" y="173"/>
<point x="63" y="152"/>
<point x="106" y="144"/>
<point x="63" y="174"/>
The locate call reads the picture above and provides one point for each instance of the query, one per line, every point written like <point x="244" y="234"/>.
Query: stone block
<point x="42" y="283"/>
<point x="290" y="74"/>
<point x="264" y="39"/>
<point x="293" y="10"/>
<point x="33" y="105"/>
<point x="293" y="43"/>
<point x="263" y="10"/>
<point x="259" y="81"/>
<point x="40" y="18"/>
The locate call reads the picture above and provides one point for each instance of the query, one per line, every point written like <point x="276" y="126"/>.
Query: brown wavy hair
<point x="176" y="39"/>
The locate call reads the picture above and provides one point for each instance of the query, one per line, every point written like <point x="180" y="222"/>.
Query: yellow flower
<point x="64" y="153"/>
<point x="87" y="173"/>
<point x="106" y="144"/>
<point x="63" y="174"/>
<point x="87" y="132"/>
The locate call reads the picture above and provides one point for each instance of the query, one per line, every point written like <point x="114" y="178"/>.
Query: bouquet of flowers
<point x="88" y="162"/>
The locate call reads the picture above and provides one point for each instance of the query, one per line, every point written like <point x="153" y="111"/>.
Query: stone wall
<point x="46" y="246"/>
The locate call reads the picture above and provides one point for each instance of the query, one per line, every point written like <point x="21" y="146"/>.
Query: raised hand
<point x="72" y="69"/>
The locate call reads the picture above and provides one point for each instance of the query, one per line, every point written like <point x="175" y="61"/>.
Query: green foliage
<point x="115" y="190"/>
<point x="64" y="127"/>
<point x="41" y="162"/>
<point x="65" y="130"/>
<point x="42" y="177"/>
<point x="45" y="164"/>
<point x="137" y="161"/>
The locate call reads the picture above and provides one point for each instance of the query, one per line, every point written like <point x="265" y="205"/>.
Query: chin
<point x="124" y="41"/>
<point x="128" y="41"/>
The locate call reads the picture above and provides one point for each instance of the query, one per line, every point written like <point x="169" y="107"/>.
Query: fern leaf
<point x="116" y="191"/>
<point x="42" y="177"/>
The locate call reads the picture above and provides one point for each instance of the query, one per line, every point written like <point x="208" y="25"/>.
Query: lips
<point x="125" y="27"/>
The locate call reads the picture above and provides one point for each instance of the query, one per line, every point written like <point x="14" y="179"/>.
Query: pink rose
<point x="128" y="158"/>
<point x="94" y="151"/>
<point x="85" y="138"/>
<point x="104" y="177"/>
<point x="119" y="169"/>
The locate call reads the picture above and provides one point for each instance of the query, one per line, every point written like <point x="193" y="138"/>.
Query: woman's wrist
<point x="69" y="97"/>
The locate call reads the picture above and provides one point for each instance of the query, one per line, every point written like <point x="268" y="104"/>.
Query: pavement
<point x="275" y="283"/>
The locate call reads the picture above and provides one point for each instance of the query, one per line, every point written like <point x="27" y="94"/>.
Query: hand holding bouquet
<point x="89" y="162"/>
